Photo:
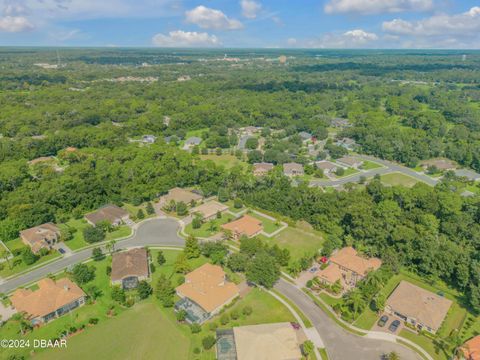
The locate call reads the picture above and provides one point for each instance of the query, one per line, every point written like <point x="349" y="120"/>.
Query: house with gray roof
<point x="469" y="174"/>
<point x="191" y="142"/>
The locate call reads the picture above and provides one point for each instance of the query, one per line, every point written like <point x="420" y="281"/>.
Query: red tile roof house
<point x="41" y="237"/>
<point x="111" y="213"/>
<point x="205" y="292"/>
<point x="51" y="300"/>
<point x="129" y="268"/>
<point x="262" y="169"/>
<point x="471" y="349"/>
<point x="246" y="225"/>
<point x="348" y="267"/>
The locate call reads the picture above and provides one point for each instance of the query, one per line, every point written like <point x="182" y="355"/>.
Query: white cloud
<point x="357" y="38"/>
<point x="467" y="23"/>
<point x="376" y="6"/>
<point x="208" y="18"/>
<point x="15" y="24"/>
<point x="292" y="41"/>
<point x="250" y="8"/>
<point x="180" y="38"/>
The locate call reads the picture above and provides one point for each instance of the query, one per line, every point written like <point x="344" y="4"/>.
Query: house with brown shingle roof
<point x="41" y="237"/>
<point x="349" y="265"/>
<point x="245" y="226"/>
<point x="293" y="169"/>
<point x="350" y="161"/>
<point x="209" y="210"/>
<point x="205" y="291"/>
<point x="262" y="169"/>
<point x="419" y="307"/>
<point x="327" y="166"/>
<point x="110" y="213"/>
<point x="471" y="349"/>
<point x="51" y="300"/>
<point x="129" y="268"/>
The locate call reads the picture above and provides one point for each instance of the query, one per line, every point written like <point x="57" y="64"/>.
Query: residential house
<point x="352" y="267"/>
<point x="419" y="307"/>
<point x="208" y="211"/>
<point x="52" y="299"/>
<point x="347" y="143"/>
<point x="293" y="169"/>
<point x="471" y="349"/>
<point x="340" y="123"/>
<point x="276" y="341"/>
<point x="184" y="78"/>
<point x="180" y="195"/>
<point x="247" y="225"/>
<point x="261" y="169"/>
<point x="440" y="164"/>
<point x="250" y="130"/>
<point x="129" y="268"/>
<point x="112" y="214"/>
<point x="191" y="142"/>
<point x="41" y="237"/>
<point x="205" y="292"/>
<point x="327" y="166"/>
<point x="305" y="136"/>
<point x="148" y="139"/>
<point x="469" y="174"/>
<point x="350" y="161"/>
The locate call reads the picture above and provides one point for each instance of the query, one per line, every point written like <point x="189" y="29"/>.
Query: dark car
<point x="394" y="326"/>
<point x="61" y="251"/>
<point x="383" y="320"/>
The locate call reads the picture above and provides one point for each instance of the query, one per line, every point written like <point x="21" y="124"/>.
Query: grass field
<point x="426" y="344"/>
<point x="209" y="228"/>
<point x="227" y="161"/>
<point x="17" y="265"/>
<point x="143" y="332"/>
<point x="397" y="178"/>
<point x="348" y="172"/>
<point x="370" y="165"/>
<point x="299" y="241"/>
<point x="269" y="226"/>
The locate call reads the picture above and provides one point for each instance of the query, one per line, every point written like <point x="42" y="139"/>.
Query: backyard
<point x="225" y="160"/>
<point x="209" y="228"/>
<point x="269" y="225"/>
<point x="370" y="165"/>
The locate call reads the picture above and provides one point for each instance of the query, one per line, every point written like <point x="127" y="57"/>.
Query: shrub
<point x="196" y="350"/>
<point x="224" y="319"/>
<point x="237" y="204"/>
<point x="213" y="326"/>
<point x="208" y="342"/>
<point x="93" y="234"/>
<point x="234" y="314"/>
<point x="93" y="321"/>
<point x="181" y="315"/>
<point x="195" y="328"/>
<point x="247" y="310"/>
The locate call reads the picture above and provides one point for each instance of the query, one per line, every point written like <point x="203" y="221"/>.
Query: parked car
<point x="61" y="251"/>
<point x="313" y="269"/>
<point x="383" y="320"/>
<point x="394" y="325"/>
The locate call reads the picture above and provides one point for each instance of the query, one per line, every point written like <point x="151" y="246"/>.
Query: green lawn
<point x="299" y="241"/>
<point x="209" y="228"/>
<point x="143" y="332"/>
<point x="78" y="242"/>
<point x="269" y="226"/>
<point x="397" y="178"/>
<point x="370" y="165"/>
<point x="348" y="171"/>
<point x="16" y="263"/>
<point x="231" y="208"/>
<point x="225" y="160"/>
<point x="426" y="343"/>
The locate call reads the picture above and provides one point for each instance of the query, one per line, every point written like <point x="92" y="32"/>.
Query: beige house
<point x="262" y="169"/>
<point x="419" y="307"/>
<point x="52" y="299"/>
<point x="350" y="161"/>
<point x="129" y="268"/>
<point x="204" y="292"/>
<point x="110" y="213"/>
<point x="246" y="225"/>
<point x="180" y="195"/>
<point x="293" y="169"/>
<point x="348" y="267"/>
<point x="209" y="210"/>
<point x="327" y="166"/>
<point x="277" y="341"/>
<point x="41" y="237"/>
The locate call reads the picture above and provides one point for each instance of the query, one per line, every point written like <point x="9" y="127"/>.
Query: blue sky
<point x="242" y="23"/>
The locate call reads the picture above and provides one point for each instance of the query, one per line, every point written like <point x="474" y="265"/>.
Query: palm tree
<point x="355" y="301"/>
<point x="110" y="246"/>
<point x="4" y="254"/>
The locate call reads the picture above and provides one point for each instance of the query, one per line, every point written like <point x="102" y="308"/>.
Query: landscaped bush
<point x="93" y="321"/>
<point x="213" y="326"/>
<point x="234" y="314"/>
<point x="208" y="342"/>
<point x="195" y="328"/>
<point x="247" y="310"/>
<point x="224" y="319"/>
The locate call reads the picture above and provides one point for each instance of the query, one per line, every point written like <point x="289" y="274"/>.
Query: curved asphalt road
<point x="389" y="167"/>
<point x="152" y="232"/>
<point x="341" y="344"/>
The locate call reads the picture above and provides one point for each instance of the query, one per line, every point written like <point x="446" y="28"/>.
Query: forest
<point x="402" y="106"/>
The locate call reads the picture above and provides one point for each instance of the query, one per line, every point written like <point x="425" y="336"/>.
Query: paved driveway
<point x="155" y="232"/>
<point x="341" y="344"/>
